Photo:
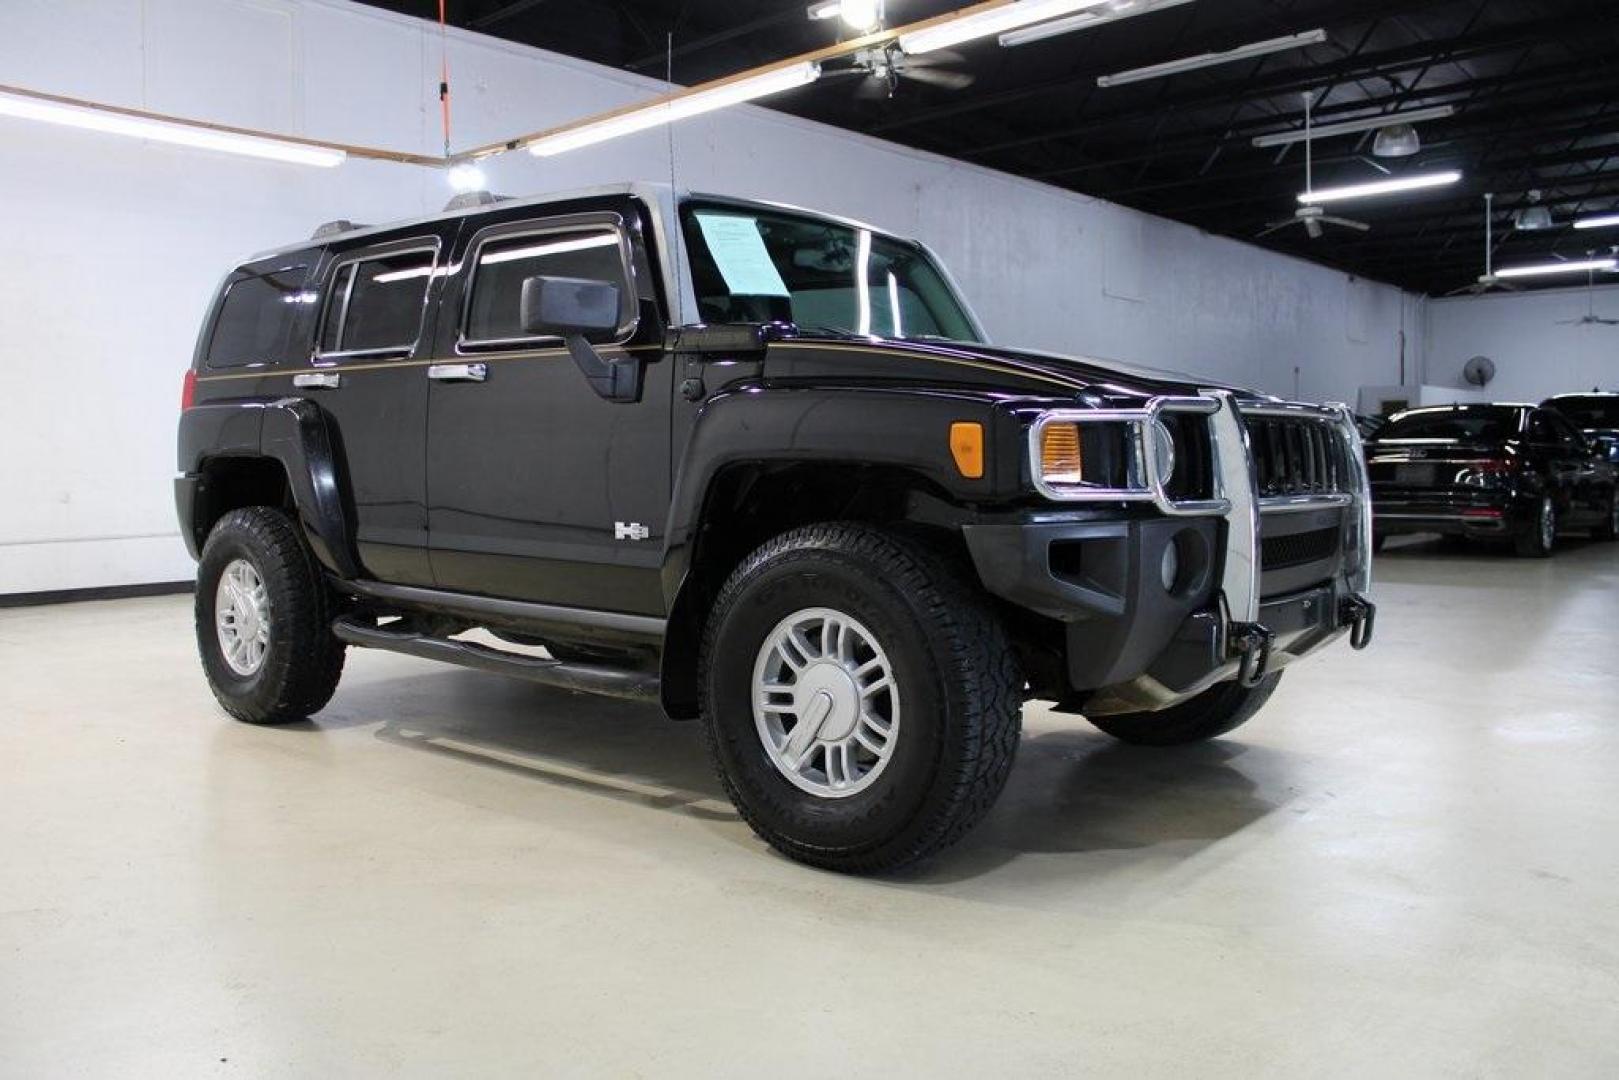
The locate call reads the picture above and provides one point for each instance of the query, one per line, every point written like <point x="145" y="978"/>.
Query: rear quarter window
<point x="254" y="317"/>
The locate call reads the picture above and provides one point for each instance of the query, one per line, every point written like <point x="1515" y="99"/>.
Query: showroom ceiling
<point x="1533" y="85"/>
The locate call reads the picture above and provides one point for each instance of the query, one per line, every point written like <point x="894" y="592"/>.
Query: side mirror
<point x="572" y="309"/>
<point x="567" y="307"/>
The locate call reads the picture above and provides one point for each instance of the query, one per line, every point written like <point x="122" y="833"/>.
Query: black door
<point x="539" y="489"/>
<point x="373" y="320"/>
<point x="1569" y="468"/>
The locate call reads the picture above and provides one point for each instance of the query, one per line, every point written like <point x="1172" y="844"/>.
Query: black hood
<point x="988" y="368"/>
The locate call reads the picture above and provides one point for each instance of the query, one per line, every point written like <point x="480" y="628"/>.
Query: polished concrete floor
<point x="1408" y="865"/>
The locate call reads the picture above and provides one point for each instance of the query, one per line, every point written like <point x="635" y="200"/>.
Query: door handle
<point x="317" y="380"/>
<point x="477" y="372"/>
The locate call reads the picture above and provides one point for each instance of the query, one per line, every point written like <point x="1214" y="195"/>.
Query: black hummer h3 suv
<point x="756" y="465"/>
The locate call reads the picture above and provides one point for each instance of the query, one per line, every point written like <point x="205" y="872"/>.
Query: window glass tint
<point x="753" y="266"/>
<point x="1590" y="412"/>
<point x="1563" y="431"/>
<point x="1464" y="425"/>
<point x="376" y="304"/>
<point x="253" y="320"/>
<point x="495" y="313"/>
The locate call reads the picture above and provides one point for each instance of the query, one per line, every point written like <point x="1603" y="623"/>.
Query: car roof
<point x="655" y="195"/>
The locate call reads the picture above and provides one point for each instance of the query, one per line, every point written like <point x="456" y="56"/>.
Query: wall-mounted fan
<point x="1312" y="218"/>
<point x="1487" y="280"/>
<point x="880" y="71"/>
<point x="1479" y="371"/>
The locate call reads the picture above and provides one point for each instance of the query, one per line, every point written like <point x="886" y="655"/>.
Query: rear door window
<point x="254" y="317"/>
<point x="375" y="303"/>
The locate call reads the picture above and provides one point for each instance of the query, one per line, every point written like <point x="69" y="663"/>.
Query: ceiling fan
<point x="1590" y="318"/>
<point x="1312" y="218"/>
<point x="1487" y="280"/>
<point x="881" y="69"/>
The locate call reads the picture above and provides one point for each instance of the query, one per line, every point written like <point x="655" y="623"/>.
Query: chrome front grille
<point x="1298" y="456"/>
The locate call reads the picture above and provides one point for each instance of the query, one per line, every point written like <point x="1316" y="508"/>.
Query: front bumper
<point x="1142" y="631"/>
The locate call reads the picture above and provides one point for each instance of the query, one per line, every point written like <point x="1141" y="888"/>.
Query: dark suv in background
<point x="1497" y="472"/>
<point x="1596" y="414"/>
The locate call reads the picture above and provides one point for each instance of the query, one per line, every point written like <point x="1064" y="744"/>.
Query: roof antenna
<point x="674" y="197"/>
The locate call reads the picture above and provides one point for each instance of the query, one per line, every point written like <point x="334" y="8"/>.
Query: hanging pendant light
<point x="1396" y="140"/>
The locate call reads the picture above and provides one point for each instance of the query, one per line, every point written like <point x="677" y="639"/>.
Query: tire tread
<point x="986" y="687"/>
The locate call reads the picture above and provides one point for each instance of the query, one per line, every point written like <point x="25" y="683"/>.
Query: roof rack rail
<point x="332" y="228"/>
<point x="467" y="199"/>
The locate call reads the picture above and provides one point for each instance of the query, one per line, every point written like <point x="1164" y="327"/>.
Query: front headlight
<point x="1103" y="455"/>
<point x="1062" y="454"/>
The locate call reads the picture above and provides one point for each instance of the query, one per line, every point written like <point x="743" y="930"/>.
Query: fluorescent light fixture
<point x="1557" y="268"/>
<point x="954" y="31"/>
<point x="108" y="122"/>
<point x="1083" y="21"/>
<point x="667" y="112"/>
<point x="1214" y="59"/>
<point x="1379" y="187"/>
<point x="856" y="14"/>
<point x="1605" y="221"/>
<point x="1350" y="127"/>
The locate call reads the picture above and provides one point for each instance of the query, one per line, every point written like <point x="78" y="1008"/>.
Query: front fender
<point x="754" y="423"/>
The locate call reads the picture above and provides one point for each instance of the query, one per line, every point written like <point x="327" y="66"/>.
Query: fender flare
<point x="292" y="432"/>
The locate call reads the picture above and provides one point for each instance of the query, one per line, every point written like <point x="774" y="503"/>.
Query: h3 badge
<point x="630" y="530"/>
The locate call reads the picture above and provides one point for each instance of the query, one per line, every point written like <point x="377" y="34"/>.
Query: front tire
<point x="861" y="704"/>
<point x="1216" y="711"/>
<point x="263" y="618"/>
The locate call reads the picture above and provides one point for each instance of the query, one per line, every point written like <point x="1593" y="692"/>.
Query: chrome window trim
<point x="432" y="245"/>
<point x="1141" y="421"/>
<point x="511" y="230"/>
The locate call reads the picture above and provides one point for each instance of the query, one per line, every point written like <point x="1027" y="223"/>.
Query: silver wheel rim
<point x="242" y="617"/>
<point x="1548" y="524"/>
<point x="825" y="702"/>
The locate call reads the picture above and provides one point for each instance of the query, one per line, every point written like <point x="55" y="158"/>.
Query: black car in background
<point x="1596" y="414"/>
<point x="1510" y="472"/>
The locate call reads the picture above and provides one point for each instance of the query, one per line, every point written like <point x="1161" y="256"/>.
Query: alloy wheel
<point x="242" y="617"/>
<point x="825" y="702"/>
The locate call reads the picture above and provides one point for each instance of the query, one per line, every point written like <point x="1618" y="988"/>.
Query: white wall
<point x="1538" y="347"/>
<point x="120" y="243"/>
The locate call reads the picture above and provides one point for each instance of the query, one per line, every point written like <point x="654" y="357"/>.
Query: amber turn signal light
<point x="1061" y="460"/>
<point x="967" y="447"/>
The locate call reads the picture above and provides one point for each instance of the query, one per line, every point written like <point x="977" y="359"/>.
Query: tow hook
<point x="1361" y="616"/>
<point x="1250" y="642"/>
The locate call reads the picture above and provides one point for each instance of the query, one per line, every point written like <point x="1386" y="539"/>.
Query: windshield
<point x="1590" y="412"/>
<point x="1488" y="424"/>
<point x="756" y="265"/>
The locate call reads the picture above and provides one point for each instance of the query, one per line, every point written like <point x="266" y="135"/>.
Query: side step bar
<point x="586" y="678"/>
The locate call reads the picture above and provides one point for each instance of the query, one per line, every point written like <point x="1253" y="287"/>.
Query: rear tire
<point x="1215" y="712"/>
<point x="897" y="677"/>
<point x="264" y="620"/>
<point x="1536" y="539"/>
